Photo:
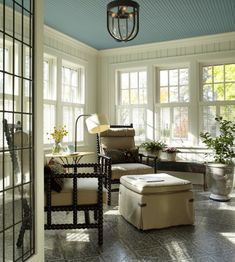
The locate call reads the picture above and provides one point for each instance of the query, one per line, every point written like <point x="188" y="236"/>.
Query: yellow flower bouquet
<point x="58" y="135"/>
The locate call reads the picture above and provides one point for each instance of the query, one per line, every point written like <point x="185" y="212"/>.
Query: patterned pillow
<point x="123" y="155"/>
<point x="54" y="167"/>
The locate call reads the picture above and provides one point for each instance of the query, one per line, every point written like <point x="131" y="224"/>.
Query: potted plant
<point x="171" y="153"/>
<point x="220" y="173"/>
<point x="153" y="147"/>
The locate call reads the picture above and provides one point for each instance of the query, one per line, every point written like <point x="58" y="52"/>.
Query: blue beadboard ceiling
<point x="160" y="20"/>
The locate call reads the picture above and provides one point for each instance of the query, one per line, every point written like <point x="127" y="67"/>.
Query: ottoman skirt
<point x="156" y="201"/>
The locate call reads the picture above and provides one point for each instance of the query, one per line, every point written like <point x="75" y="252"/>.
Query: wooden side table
<point x="65" y="157"/>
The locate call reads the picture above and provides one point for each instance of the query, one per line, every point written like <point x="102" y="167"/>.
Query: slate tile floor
<point x="211" y="239"/>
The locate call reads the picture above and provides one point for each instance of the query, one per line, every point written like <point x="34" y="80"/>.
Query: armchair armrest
<point x="105" y="163"/>
<point x="104" y="156"/>
<point x="150" y="160"/>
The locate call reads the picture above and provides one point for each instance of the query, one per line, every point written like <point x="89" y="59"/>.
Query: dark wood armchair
<point x="82" y="191"/>
<point x="119" y="156"/>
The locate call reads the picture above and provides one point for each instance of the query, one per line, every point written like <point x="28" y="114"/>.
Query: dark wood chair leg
<point x="100" y="226"/>
<point x="95" y="215"/>
<point x="87" y="217"/>
<point x="26" y="223"/>
<point x="109" y="188"/>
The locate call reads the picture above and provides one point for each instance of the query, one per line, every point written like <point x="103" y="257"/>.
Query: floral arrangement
<point x="59" y="133"/>
<point x="171" y="150"/>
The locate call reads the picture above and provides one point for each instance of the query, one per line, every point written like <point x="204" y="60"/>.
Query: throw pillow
<point x="116" y="155"/>
<point x="132" y="155"/>
<point x="123" y="155"/>
<point x="54" y="167"/>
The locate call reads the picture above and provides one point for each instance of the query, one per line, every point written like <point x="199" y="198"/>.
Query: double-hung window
<point x="132" y="100"/>
<point x="72" y="99"/>
<point x="173" y="105"/>
<point x="217" y="94"/>
<point x="63" y="97"/>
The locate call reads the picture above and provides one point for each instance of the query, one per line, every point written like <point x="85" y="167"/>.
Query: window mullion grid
<point x="13" y="121"/>
<point x="31" y="94"/>
<point x="22" y="108"/>
<point x="3" y="140"/>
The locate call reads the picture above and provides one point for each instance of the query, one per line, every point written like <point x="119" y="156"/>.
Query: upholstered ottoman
<point x="156" y="201"/>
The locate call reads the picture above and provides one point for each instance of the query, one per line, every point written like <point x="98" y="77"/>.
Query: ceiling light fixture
<point x="123" y="19"/>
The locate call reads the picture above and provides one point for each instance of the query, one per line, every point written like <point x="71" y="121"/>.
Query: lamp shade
<point x="97" y="123"/>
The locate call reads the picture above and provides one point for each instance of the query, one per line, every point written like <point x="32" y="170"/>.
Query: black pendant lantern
<point x="123" y="20"/>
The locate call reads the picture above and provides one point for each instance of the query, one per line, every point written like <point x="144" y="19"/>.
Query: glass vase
<point x="57" y="148"/>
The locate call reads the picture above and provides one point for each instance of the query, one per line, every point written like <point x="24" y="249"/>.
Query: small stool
<point x="156" y="201"/>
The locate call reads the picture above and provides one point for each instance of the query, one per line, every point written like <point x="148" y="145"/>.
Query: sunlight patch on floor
<point x="112" y="212"/>
<point x="77" y="237"/>
<point x="230" y="236"/>
<point x="226" y="206"/>
<point x="174" y="249"/>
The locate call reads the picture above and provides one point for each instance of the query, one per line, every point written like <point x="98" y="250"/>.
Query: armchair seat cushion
<point x="87" y="193"/>
<point x="123" y="169"/>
